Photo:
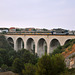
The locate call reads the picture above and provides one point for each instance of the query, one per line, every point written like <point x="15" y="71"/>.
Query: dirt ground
<point x="8" y="73"/>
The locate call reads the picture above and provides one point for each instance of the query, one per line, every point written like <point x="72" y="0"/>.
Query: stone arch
<point x="41" y="47"/>
<point x="11" y="41"/>
<point x="30" y="45"/>
<point x="54" y="44"/>
<point x="67" y="41"/>
<point x="20" y="43"/>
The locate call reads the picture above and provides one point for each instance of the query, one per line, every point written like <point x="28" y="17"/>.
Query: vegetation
<point x="4" y="44"/>
<point x="17" y="65"/>
<point x="24" y="62"/>
<point x="7" y="54"/>
<point x="29" y="69"/>
<point x="23" y="57"/>
<point x="4" y="67"/>
<point x="72" y="56"/>
<point x="48" y="65"/>
<point x="14" y="60"/>
<point x="61" y="49"/>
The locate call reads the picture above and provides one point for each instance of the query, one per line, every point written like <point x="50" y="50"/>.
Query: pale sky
<point x="38" y="13"/>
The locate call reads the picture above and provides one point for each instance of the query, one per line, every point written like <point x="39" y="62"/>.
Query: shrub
<point x="29" y="69"/>
<point x="17" y="65"/>
<point x="1" y="61"/>
<point x="58" y="64"/>
<point x="44" y="66"/>
<point x="4" y="67"/>
<point x="51" y="65"/>
<point x="58" y="50"/>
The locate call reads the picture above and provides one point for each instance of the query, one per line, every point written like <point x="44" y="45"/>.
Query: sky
<point x="47" y="14"/>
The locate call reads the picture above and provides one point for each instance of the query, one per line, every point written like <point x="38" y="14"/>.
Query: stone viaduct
<point x="39" y="43"/>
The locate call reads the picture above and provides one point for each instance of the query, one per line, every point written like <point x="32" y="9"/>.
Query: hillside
<point x="68" y="51"/>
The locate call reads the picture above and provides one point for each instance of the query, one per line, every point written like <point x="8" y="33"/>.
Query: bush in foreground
<point x="29" y="69"/>
<point x="51" y="65"/>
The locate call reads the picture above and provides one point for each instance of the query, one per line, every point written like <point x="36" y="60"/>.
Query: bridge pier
<point x="24" y="44"/>
<point x="36" y="47"/>
<point x="15" y="45"/>
<point x="48" y="48"/>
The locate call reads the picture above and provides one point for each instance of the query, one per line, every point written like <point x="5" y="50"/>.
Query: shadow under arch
<point x="30" y="45"/>
<point x="67" y="41"/>
<point x="41" y="47"/>
<point x="54" y="44"/>
<point x="20" y="43"/>
<point x="11" y="42"/>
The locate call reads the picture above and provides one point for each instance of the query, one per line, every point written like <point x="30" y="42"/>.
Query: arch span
<point x="11" y="42"/>
<point x="42" y="47"/>
<point x="67" y="41"/>
<point x="30" y="45"/>
<point x="20" y="43"/>
<point x="54" y="44"/>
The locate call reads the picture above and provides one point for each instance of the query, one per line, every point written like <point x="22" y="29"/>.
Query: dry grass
<point x="8" y="73"/>
<point x="68" y="52"/>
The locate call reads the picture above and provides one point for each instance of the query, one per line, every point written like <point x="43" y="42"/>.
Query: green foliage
<point x="70" y="48"/>
<point x="4" y="56"/>
<point x="45" y="29"/>
<point x="58" y="64"/>
<point x="29" y="69"/>
<point x="64" y="73"/>
<point x="1" y="61"/>
<point x="18" y="29"/>
<point x="11" y="56"/>
<point x="44" y="66"/>
<point x="66" y="45"/>
<point x="50" y="65"/>
<point x="72" y="71"/>
<point x="47" y="65"/>
<point x="70" y="43"/>
<point x="4" y="67"/>
<point x="58" y="50"/>
<point x="61" y="49"/>
<point x="73" y="41"/>
<point x="27" y="56"/>
<point x="17" y="65"/>
<point x="68" y="72"/>
<point x="4" y="44"/>
<point x="23" y="57"/>
<point x="7" y="54"/>
<point x="7" y="57"/>
<point x="15" y="59"/>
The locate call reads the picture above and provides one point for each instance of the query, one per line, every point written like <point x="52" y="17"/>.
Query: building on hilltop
<point x="12" y="29"/>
